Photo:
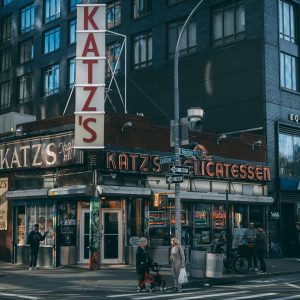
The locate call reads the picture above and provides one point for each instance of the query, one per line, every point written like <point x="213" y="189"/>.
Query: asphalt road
<point x="74" y="284"/>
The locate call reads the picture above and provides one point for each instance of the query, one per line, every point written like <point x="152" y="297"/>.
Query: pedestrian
<point x="34" y="239"/>
<point x="249" y="237"/>
<point x="260" y="248"/>
<point x="143" y="262"/>
<point x="177" y="261"/>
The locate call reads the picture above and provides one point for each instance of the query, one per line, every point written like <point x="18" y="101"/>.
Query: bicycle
<point x="236" y="261"/>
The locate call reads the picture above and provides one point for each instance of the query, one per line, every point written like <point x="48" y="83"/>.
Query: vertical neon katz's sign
<point x="90" y="76"/>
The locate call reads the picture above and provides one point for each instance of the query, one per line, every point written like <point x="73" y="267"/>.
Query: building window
<point x="51" y="10"/>
<point x="51" y="80"/>
<point x="71" y="73"/>
<point x="5" y="59"/>
<point x="25" y="88"/>
<point x="51" y="40"/>
<point x="25" y="51"/>
<point x="5" y="95"/>
<point x="113" y="14"/>
<point x="188" y="42"/>
<point x="141" y="8"/>
<point x="27" y="18"/>
<point x="228" y="22"/>
<point x="172" y="2"/>
<point x="72" y="31"/>
<point x="72" y="4"/>
<point x="5" y="2"/>
<point x="289" y="156"/>
<point x="142" y="54"/>
<point x="113" y="53"/>
<point x="288" y="72"/>
<point x="286" y="21"/>
<point x="6" y="25"/>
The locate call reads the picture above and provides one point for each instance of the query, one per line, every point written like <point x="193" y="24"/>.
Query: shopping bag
<point x="182" y="276"/>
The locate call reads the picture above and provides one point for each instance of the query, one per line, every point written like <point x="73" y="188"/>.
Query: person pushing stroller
<point x="143" y="262"/>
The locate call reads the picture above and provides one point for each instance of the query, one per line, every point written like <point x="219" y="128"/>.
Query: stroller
<point x="154" y="281"/>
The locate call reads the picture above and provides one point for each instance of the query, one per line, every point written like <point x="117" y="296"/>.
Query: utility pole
<point x="177" y="124"/>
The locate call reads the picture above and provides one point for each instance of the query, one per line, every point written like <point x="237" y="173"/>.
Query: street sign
<point x="179" y="170"/>
<point x="166" y="159"/>
<point x="174" y="178"/>
<point x="187" y="152"/>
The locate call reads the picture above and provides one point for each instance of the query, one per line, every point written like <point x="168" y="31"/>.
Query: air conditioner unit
<point x="10" y="121"/>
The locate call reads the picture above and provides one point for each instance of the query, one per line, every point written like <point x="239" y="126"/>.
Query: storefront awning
<point x="23" y="194"/>
<point x="112" y="190"/>
<point x="71" y="190"/>
<point x="196" y="196"/>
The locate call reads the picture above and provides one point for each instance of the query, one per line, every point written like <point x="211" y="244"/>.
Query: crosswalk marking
<point x="18" y="296"/>
<point x="252" y="296"/>
<point x="289" y="297"/>
<point x="161" y="296"/>
<point x="210" y="295"/>
<point x="293" y="285"/>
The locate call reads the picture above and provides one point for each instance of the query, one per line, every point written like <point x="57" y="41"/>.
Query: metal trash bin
<point x="198" y="263"/>
<point x="214" y="265"/>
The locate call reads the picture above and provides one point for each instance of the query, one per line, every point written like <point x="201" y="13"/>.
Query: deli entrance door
<point x="112" y="244"/>
<point x="84" y="235"/>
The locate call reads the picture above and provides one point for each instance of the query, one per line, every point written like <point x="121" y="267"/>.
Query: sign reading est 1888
<point x="90" y="76"/>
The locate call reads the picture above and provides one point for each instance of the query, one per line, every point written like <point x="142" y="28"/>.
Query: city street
<point x="120" y="283"/>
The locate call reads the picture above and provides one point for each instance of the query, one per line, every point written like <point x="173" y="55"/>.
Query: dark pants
<point x="251" y="255"/>
<point x="261" y="257"/>
<point x="34" y="252"/>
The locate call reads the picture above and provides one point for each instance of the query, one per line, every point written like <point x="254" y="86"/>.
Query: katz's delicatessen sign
<point x="90" y="76"/>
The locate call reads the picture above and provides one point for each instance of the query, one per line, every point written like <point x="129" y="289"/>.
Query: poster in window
<point x="157" y="219"/>
<point x="66" y="224"/>
<point x="219" y="217"/>
<point x="3" y="203"/>
<point x="201" y="218"/>
<point x="183" y="218"/>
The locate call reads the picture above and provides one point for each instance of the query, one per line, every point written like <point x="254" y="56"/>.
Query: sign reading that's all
<point x="3" y="203"/>
<point x="90" y="76"/>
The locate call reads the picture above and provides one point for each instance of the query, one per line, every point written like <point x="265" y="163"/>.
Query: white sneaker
<point x="255" y="269"/>
<point x="30" y="269"/>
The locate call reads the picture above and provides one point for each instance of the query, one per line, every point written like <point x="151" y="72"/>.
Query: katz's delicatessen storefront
<point x="203" y="195"/>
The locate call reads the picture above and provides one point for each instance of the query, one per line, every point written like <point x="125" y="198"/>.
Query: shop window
<point x="257" y="215"/>
<point x="201" y="223"/>
<point x="240" y="224"/>
<point x="66" y="224"/>
<point x="21" y="232"/>
<point x="135" y="218"/>
<point x="218" y="221"/>
<point x="43" y="215"/>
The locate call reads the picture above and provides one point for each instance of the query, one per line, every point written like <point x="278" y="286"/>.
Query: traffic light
<point x="160" y="200"/>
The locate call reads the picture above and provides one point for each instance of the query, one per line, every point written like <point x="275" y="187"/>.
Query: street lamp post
<point x="177" y="124"/>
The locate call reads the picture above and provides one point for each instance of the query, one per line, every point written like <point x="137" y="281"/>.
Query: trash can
<point x="214" y="265"/>
<point x="198" y="263"/>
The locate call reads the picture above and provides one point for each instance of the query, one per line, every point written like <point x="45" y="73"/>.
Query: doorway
<point x="112" y="243"/>
<point x="288" y="228"/>
<point x="84" y="235"/>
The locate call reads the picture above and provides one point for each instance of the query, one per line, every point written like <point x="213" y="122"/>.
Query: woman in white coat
<point x="177" y="261"/>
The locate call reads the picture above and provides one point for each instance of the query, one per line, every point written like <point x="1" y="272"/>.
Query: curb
<point x="231" y="280"/>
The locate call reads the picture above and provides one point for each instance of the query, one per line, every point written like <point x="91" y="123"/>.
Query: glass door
<point x="112" y="237"/>
<point x="85" y="236"/>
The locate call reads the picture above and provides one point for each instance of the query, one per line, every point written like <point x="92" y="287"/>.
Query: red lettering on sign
<point x="90" y="41"/>
<point x="157" y="166"/>
<point x="250" y="172"/>
<point x="90" y="63"/>
<point x="110" y="160"/>
<point x="143" y="166"/>
<point x="88" y="17"/>
<point x="267" y="175"/>
<point x="235" y="171"/>
<point x="219" y="170"/>
<point x="91" y="131"/>
<point x="87" y="103"/>
<point x="209" y="173"/>
<point x="243" y="170"/>
<point x="123" y="161"/>
<point x="259" y="173"/>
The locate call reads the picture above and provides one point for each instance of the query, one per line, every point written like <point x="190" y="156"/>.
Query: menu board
<point x="219" y="217"/>
<point x="201" y="218"/>
<point x="157" y="219"/>
<point x="66" y="224"/>
<point x="183" y="217"/>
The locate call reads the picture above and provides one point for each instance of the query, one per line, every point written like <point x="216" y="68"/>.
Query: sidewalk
<point x="123" y="277"/>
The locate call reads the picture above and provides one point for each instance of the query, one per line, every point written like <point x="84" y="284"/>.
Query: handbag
<point x="182" y="276"/>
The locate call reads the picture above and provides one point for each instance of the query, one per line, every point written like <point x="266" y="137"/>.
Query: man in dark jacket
<point x="260" y="247"/>
<point x="143" y="262"/>
<point x="34" y="240"/>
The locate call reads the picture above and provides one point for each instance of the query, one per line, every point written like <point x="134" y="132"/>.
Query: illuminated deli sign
<point x="90" y="76"/>
<point x="40" y="152"/>
<point x="145" y="163"/>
